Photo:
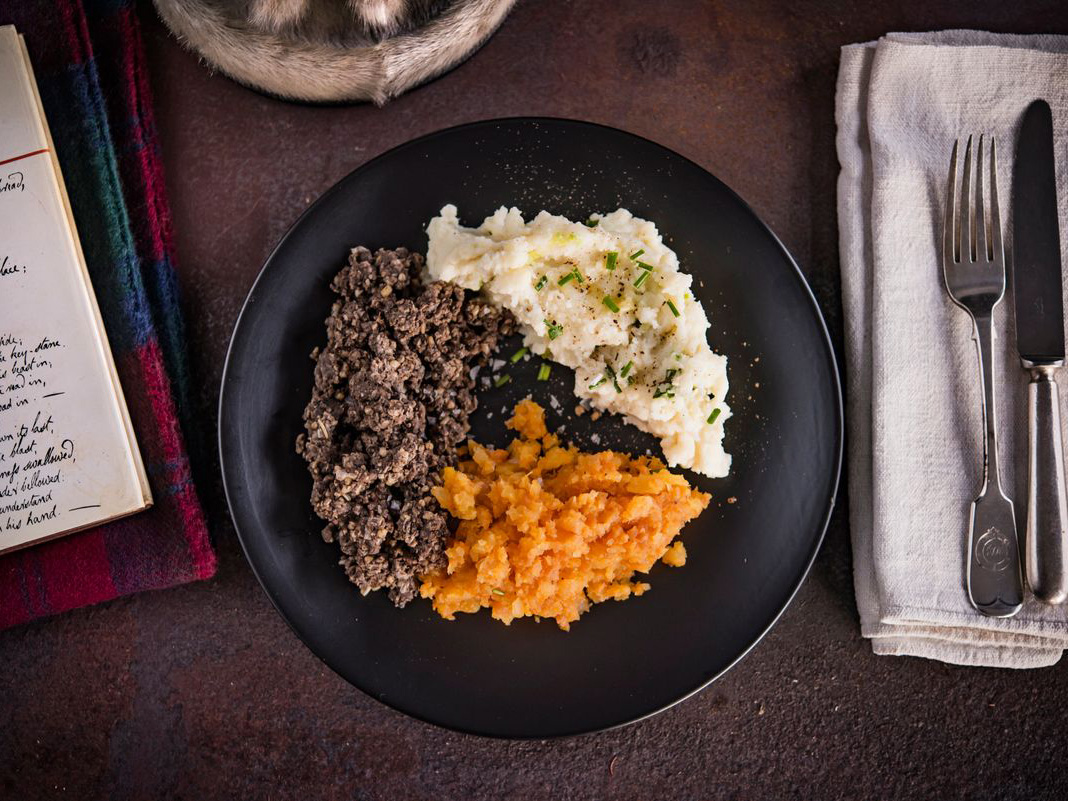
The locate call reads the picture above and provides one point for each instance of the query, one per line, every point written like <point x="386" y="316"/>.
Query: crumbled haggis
<point x="393" y="390"/>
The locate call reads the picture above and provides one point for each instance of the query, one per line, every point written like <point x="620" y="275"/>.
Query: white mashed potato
<point x="627" y="324"/>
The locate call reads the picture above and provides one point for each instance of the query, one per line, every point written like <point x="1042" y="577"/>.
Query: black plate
<point x="748" y="552"/>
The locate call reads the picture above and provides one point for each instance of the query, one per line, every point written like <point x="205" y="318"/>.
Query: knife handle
<point x="1046" y="537"/>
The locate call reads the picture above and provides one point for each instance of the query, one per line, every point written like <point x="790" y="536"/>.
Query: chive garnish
<point x="645" y="266"/>
<point x="608" y="371"/>
<point x="538" y="287"/>
<point x="591" y="223"/>
<point x="569" y="277"/>
<point x="596" y="384"/>
<point x="495" y="591"/>
<point x="610" y="260"/>
<point x="502" y="380"/>
<point x="610" y="303"/>
<point x="543" y="372"/>
<point x="636" y="254"/>
<point x="626" y="369"/>
<point x="666" y="388"/>
<point x="553" y="330"/>
<point x="641" y="279"/>
<point x="519" y="354"/>
<point x="715" y="413"/>
<point x="671" y="306"/>
<point x="578" y="275"/>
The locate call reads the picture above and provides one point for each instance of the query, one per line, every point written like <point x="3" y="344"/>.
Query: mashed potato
<point x="609" y="301"/>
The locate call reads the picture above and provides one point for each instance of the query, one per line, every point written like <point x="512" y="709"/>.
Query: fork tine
<point x="995" y="212"/>
<point x="949" y="234"/>
<point x="981" y="252"/>
<point x="966" y="206"/>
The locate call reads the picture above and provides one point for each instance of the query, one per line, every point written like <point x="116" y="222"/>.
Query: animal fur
<point x="333" y="50"/>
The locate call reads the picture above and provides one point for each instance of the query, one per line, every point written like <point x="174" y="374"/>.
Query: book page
<point x="67" y="455"/>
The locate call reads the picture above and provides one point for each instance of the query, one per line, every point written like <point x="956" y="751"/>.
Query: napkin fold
<point x="915" y="434"/>
<point x="89" y="62"/>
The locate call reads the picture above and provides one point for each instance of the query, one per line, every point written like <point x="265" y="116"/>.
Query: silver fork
<point x="973" y="264"/>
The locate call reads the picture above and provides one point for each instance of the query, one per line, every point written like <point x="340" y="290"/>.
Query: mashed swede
<point x="639" y="350"/>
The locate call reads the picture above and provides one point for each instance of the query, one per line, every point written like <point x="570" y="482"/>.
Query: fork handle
<point x="1046" y="536"/>
<point x="994" y="575"/>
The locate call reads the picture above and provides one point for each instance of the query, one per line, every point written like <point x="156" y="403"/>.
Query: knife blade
<point x="1036" y="271"/>
<point x="1036" y="263"/>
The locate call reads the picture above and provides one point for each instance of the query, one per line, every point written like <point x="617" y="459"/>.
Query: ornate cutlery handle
<point x="995" y="583"/>
<point x="1047" y="505"/>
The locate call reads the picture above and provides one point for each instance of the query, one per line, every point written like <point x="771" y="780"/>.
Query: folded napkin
<point x="915" y="435"/>
<point x="90" y="69"/>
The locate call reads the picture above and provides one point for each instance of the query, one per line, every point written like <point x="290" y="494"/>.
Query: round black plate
<point x="748" y="552"/>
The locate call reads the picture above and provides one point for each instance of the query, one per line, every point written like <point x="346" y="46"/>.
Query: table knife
<point x="1036" y="270"/>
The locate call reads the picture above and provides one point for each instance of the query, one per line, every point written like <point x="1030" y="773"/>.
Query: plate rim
<point x="838" y="408"/>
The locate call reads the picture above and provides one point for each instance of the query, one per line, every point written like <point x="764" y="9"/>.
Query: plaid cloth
<point x="90" y="68"/>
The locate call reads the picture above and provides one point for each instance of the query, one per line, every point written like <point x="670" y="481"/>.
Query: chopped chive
<point x="502" y="380"/>
<point x="578" y="275"/>
<point x="610" y="303"/>
<point x="678" y="357"/>
<point x="591" y="223"/>
<point x="610" y="260"/>
<point x="608" y="371"/>
<point x="645" y="266"/>
<point x="626" y="369"/>
<point x="671" y="306"/>
<point x="596" y="384"/>
<point x="543" y="372"/>
<point x="497" y="592"/>
<point x="636" y="254"/>
<point x="553" y="330"/>
<point x="715" y="413"/>
<point x="665" y="387"/>
<point x="641" y="279"/>
<point x="538" y="287"/>
<point x="569" y="277"/>
<point x="519" y="354"/>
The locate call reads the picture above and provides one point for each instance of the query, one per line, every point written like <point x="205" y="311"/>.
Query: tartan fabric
<point x="90" y="67"/>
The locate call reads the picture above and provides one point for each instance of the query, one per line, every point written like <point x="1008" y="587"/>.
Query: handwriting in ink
<point x="13" y="182"/>
<point x="8" y="266"/>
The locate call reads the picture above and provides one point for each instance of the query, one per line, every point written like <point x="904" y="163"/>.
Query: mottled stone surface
<point x="202" y="692"/>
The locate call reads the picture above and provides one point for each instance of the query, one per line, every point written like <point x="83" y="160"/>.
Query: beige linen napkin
<point x="913" y="387"/>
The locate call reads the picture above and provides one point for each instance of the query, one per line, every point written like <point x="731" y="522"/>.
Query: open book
<point x="68" y="457"/>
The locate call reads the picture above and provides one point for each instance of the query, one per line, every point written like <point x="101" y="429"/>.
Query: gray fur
<point x="333" y="50"/>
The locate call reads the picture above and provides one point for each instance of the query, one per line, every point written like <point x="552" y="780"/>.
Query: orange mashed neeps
<point x="545" y="529"/>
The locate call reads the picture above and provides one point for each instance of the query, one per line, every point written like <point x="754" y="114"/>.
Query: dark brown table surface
<point x="203" y="692"/>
